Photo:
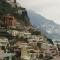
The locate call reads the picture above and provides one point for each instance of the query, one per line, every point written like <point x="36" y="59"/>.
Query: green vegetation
<point x="6" y="8"/>
<point x="50" y="40"/>
<point x="22" y="39"/>
<point x="34" y="32"/>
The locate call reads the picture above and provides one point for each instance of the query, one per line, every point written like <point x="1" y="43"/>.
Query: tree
<point x="36" y="33"/>
<point x="22" y="39"/>
<point x="50" y="40"/>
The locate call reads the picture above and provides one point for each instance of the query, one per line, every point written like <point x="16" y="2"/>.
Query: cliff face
<point x="19" y="12"/>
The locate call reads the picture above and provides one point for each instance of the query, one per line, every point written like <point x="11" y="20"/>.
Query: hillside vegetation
<point x="6" y="8"/>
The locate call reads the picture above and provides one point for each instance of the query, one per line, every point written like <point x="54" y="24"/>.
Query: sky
<point x="47" y="8"/>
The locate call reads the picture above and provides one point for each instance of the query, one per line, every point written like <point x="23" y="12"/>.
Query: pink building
<point x="10" y="21"/>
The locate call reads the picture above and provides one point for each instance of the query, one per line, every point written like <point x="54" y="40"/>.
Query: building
<point x="49" y="49"/>
<point x="25" y="34"/>
<point x="12" y="2"/>
<point x="22" y="46"/>
<point x="10" y="21"/>
<point x="53" y="50"/>
<point x="33" y="54"/>
<point x="13" y="32"/>
<point x="24" y="53"/>
<point x="21" y="10"/>
<point x="3" y="43"/>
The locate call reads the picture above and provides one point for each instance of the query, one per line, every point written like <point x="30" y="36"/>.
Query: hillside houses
<point x="3" y="44"/>
<point x="28" y="44"/>
<point x="34" y="42"/>
<point x="10" y="21"/>
<point x="12" y="2"/>
<point x="4" y="41"/>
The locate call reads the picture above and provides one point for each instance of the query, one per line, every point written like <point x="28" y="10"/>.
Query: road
<point x="56" y="58"/>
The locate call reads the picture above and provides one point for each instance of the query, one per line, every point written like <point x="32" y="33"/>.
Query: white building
<point x="3" y="44"/>
<point x="49" y="48"/>
<point x="26" y="34"/>
<point x="12" y="2"/>
<point x="3" y="41"/>
<point x="13" y="32"/>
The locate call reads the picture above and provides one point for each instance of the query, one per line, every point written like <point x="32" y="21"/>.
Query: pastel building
<point x="3" y="41"/>
<point x="3" y="44"/>
<point x="10" y="21"/>
<point x="23" y="49"/>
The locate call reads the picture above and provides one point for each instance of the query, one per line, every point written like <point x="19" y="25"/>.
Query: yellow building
<point x="24" y="51"/>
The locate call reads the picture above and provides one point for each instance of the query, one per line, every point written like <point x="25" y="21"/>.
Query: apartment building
<point x="10" y="21"/>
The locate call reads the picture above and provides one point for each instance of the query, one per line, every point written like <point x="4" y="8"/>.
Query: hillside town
<point x="20" y="42"/>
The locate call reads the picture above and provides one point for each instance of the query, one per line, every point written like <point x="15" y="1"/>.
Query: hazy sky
<point x="48" y="8"/>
